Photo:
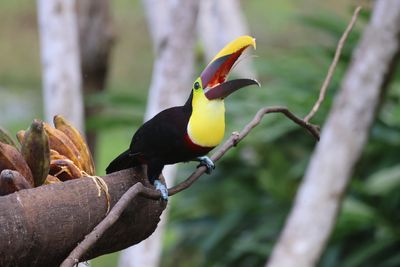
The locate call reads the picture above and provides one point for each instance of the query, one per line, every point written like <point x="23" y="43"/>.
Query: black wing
<point x="163" y="137"/>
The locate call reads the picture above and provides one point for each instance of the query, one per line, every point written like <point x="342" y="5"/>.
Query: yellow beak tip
<point x="253" y="44"/>
<point x="235" y="45"/>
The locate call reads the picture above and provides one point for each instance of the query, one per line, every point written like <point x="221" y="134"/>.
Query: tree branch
<point x="138" y="189"/>
<point x="42" y="225"/>
<point x="112" y="217"/>
<point x="235" y="138"/>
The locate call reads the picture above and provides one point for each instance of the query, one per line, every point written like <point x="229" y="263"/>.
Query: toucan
<point x="188" y="132"/>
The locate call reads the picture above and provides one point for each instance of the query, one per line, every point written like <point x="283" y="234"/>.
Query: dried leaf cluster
<point x="45" y="155"/>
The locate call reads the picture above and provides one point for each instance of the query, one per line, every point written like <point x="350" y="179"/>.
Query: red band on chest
<point x="201" y="150"/>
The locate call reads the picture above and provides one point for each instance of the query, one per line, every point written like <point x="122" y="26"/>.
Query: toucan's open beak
<point x="214" y="76"/>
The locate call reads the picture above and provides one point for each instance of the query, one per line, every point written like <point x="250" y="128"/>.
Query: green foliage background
<point x="234" y="216"/>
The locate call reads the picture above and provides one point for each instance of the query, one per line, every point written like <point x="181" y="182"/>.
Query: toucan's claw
<point x="162" y="188"/>
<point x="207" y="162"/>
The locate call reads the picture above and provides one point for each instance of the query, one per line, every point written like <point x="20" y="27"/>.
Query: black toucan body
<point x="160" y="141"/>
<point x="187" y="132"/>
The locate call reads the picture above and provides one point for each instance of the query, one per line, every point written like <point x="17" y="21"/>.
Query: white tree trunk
<point x="61" y="70"/>
<point x="220" y="22"/>
<point x="343" y="137"/>
<point x="173" y="41"/>
<point x="172" y="27"/>
<point x="60" y="60"/>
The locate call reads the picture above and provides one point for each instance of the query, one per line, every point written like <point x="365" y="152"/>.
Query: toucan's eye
<point x="196" y="85"/>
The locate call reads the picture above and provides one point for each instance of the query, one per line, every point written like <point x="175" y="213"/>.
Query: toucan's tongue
<point x="224" y="89"/>
<point x="217" y="71"/>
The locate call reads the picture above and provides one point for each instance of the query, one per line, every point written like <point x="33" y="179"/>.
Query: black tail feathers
<point x="124" y="161"/>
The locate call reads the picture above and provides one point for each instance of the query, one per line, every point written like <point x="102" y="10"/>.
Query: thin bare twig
<point x="333" y="65"/>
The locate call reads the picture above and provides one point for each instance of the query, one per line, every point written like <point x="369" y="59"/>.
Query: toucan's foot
<point x="207" y="162"/>
<point x="162" y="188"/>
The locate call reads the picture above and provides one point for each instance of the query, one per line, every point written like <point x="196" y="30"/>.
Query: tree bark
<point x="172" y="27"/>
<point x="41" y="226"/>
<point x="96" y="38"/>
<point x="343" y="137"/>
<point x="60" y="60"/>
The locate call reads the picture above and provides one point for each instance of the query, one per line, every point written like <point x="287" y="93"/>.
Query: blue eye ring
<point x="196" y="85"/>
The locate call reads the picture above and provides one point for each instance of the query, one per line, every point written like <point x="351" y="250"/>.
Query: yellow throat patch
<point x="206" y="125"/>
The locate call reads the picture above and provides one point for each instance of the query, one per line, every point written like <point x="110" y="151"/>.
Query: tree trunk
<point x="60" y="60"/>
<point x="219" y="23"/>
<point x="342" y="139"/>
<point x="173" y="68"/>
<point x="96" y="38"/>
<point x="41" y="226"/>
<point x="172" y="27"/>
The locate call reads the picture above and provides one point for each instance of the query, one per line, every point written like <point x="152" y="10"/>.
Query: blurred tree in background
<point x="233" y="217"/>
